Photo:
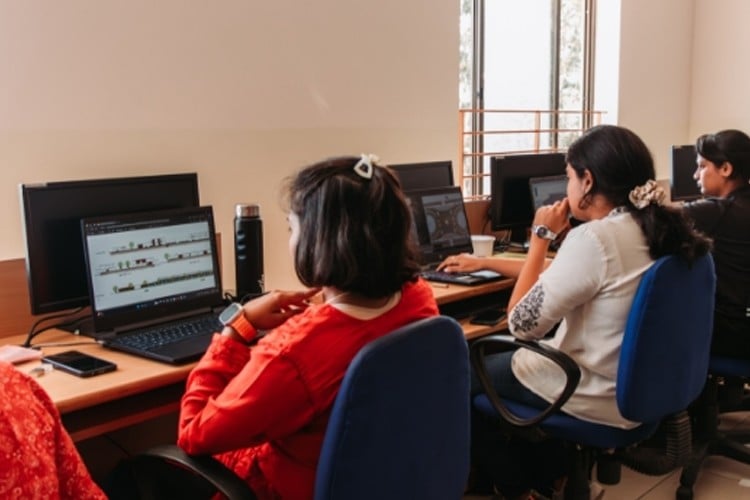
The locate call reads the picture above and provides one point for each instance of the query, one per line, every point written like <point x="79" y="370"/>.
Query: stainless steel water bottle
<point x="248" y="251"/>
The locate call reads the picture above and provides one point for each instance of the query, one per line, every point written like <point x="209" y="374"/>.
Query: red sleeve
<point x="234" y="398"/>
<point x="37" y="456"/>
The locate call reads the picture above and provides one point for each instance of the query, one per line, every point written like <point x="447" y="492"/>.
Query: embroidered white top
<point x="590" y="285"/>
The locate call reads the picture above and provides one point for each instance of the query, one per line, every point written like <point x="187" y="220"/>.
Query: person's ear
<point x="726" y="169"/>
<point x="587" y="181"/>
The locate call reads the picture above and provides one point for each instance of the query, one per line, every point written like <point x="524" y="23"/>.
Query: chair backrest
<point x="665" y="350"/>
<point x="399" y="428"/>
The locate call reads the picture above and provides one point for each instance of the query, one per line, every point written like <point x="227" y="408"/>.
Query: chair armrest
<point x="504" y="343"/>
<point x="205" y="466"/>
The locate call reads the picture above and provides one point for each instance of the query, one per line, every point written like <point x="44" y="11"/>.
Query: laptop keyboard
<point x="466" y="279"/>
<point x="158" y="336"/>
<point x="445" y="277"/>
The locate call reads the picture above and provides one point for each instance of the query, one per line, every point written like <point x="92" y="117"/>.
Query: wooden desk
<point x="139" y="390"/>
<point x="448" y="293"/>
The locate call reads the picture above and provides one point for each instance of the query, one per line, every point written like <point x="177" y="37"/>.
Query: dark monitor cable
<point x="34" y="331"/>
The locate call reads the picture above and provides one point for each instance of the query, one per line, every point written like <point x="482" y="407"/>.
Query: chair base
<point x="721" y="395"/>
<point x="729" y="445"/>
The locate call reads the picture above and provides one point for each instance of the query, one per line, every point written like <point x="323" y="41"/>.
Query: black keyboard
<point x="474" y="278"/>
<point x="160" y="335"/>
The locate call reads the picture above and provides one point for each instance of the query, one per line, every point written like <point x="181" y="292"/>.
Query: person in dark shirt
<point x="723" y="173"/>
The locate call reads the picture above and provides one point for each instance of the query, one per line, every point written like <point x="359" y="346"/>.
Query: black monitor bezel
<point x="36" y="198"/>
<point x="517" y="212"/>
<point x="682" y="185"/>
<point x="427" y="171"/>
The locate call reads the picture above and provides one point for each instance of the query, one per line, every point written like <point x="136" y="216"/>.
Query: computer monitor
<point x="511" y="206"/>
<point x="547" y="190"/>
<point x="426" y="175"/>
<point x="52" y="213"/>
<point x="683" y="186"/>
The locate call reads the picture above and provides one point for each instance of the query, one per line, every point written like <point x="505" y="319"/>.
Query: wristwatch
<point x="234" y="317"/>
<point x="544" y="232"/>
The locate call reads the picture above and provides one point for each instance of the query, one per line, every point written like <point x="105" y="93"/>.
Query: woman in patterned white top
<point x="590" y="284"/>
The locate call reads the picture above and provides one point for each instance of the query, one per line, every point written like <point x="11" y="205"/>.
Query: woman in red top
<point x="37" y="456"/>
<point x="261" y="406"/>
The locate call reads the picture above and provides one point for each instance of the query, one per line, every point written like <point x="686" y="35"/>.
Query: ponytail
<point x="666" y="229"/>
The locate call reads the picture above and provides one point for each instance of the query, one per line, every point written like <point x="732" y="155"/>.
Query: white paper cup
<point x="482" y="244"/>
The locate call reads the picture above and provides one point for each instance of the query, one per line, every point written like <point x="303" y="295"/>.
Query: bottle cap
<point x="247" y="210"/>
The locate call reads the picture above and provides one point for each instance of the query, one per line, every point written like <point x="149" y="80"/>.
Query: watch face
<point x="544" y="232"/>
<point x="228" y="314"/>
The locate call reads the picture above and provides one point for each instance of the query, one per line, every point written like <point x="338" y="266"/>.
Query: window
<point x="525" y="80"/>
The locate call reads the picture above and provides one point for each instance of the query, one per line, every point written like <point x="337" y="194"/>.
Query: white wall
<point x="721" y="67"/>
<point x="243" y="92"/>
<point x="655" y="73"/>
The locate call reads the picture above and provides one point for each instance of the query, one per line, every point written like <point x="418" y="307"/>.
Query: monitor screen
<point x="427" y="175"/>
<point x="683" y="186"/>
<point x="52" y="213"/>
<point x="440" y="227"/>
<point x="548" y="190"/>
<point x="511" y="206"/>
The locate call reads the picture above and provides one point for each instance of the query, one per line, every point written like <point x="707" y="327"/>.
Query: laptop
<point x="441" y="229"/>
<point x="547" y="190"/>
<point x="152" y="271"/>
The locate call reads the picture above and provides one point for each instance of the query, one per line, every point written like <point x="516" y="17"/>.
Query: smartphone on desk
<point x="79" y="364"/>
<point x="488" y="317"/>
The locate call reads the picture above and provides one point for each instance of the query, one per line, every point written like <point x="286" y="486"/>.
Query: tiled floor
<point x="719" y="479"/>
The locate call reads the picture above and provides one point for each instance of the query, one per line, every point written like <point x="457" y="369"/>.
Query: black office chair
<point x="728" y="375"/>
<point x="662" y="369"/>
<point x="399" y="427"/>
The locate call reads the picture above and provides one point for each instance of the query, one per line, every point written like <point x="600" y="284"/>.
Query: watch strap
<point x="243" y="327"/>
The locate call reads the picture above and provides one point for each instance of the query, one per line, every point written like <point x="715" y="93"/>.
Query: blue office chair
<point x="662" y="369"/>
<point x="399" y="427"/>
<point x="723" y="372"/>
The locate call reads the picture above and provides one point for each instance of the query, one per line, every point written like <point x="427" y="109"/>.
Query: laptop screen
<point x="547" y="190"/>
<point x="440" y="223"/>
<point x="150" y="266"/>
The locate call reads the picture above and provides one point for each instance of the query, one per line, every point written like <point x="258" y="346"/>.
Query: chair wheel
<point x="684" y="493"/>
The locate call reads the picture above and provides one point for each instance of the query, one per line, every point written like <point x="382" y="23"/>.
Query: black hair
<point x="731" y="146"/>
<point x="619" y="161"/>
<point x="355" y="232"/>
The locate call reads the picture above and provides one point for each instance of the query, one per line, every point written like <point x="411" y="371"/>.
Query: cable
<point x="33" y="330"/>
<point x="229" y="298"/>
<point x="117" y="445"/>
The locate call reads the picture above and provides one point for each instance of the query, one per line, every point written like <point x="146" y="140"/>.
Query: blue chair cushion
<point x="569" y="428"/>
<point x="733" y="367"/>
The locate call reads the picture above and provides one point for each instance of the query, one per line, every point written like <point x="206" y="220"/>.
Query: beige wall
<point x="720" y="73"/>
<point x="245" y="92"/>
<point x="241" y="91"/>
<point x="655" y="74"/>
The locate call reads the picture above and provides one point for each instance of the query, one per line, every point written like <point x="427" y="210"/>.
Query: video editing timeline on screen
<point x="146" y="264"/>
